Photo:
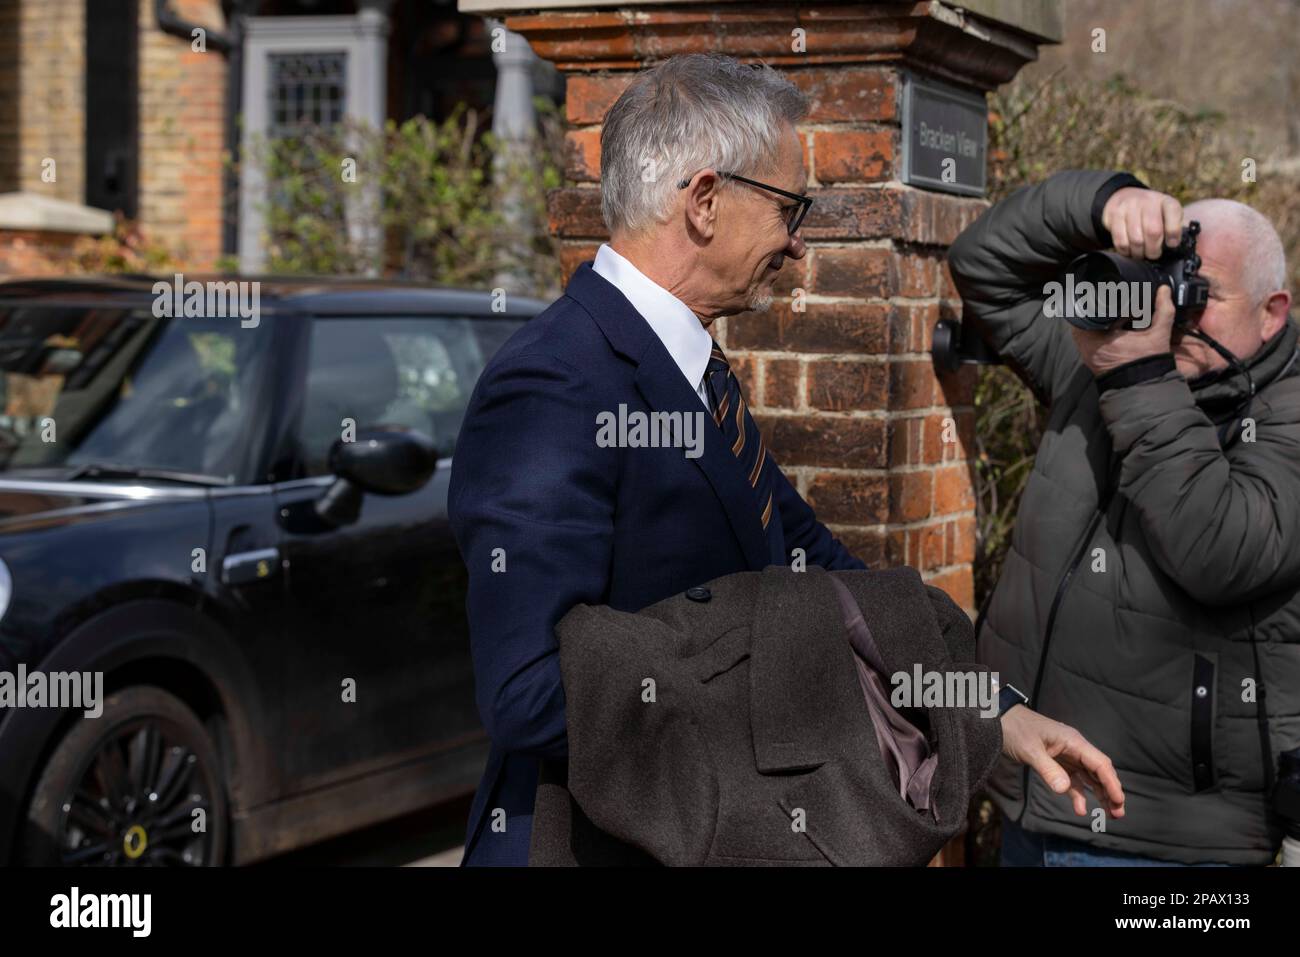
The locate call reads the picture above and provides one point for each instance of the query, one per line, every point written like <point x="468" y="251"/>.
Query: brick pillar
<point x="182" y="147"/>
<point x="49" y="102"/>
<point x="837" y="372"/>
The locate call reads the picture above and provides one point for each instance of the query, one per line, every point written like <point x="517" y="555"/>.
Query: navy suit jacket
<point x="546" y="518"/>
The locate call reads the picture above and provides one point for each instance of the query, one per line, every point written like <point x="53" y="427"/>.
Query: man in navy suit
<point x="607" y="455"/>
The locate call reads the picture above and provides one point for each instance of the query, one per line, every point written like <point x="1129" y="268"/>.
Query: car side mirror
<point x="382" y="461"/>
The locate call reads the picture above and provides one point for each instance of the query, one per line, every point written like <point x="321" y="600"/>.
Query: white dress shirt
<point x="679" y="329"/>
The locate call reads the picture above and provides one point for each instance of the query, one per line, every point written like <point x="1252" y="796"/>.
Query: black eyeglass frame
<point x="805" y="202"/>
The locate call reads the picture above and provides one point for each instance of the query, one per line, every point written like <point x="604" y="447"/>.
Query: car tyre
<point x="120" y="789"/>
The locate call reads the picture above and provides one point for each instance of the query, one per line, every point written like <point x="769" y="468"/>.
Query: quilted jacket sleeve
<point x="637" y="761"/>
<point x="1002" y="262"/>
<point x="1224" y="525"/>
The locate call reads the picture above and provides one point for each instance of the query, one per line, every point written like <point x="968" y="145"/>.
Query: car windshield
<point x="116" y="392"/>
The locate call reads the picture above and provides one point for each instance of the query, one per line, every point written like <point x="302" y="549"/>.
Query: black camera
<point x="1094" y="282"/>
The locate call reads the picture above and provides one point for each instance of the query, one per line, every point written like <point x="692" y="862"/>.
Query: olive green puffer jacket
<point x="1146" y="610"/>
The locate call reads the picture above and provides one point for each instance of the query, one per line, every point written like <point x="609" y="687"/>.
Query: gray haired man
<point x="702" y="189"/>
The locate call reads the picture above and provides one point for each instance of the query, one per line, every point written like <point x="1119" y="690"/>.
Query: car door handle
<point x="243" y="568"/>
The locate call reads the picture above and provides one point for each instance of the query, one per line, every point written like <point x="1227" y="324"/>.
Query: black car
<point x="241" y="525"/>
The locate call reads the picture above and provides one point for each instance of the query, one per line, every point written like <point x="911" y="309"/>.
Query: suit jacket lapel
<point x="661" y="383"/>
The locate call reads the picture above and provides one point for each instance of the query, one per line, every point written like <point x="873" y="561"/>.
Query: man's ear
<point x="702" y="202"/>
<point x="1276" y="309"/>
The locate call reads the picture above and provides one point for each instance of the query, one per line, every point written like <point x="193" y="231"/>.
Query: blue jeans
<point x="1021" y="848"/>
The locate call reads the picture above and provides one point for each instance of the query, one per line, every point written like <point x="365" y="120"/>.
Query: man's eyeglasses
<point x="793" y="214"/>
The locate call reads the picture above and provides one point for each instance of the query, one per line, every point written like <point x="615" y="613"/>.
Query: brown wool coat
<point x="757" y="723"/>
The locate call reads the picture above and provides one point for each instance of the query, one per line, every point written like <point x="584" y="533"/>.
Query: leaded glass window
<point x="306" y="88"/>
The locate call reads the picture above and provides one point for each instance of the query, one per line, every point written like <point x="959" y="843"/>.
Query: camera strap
<point x="1225" y="431"/>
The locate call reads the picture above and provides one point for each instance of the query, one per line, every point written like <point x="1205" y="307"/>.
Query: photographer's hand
<point x="1142" y="222"/>
<point x="1063" y="758"/>
<point x="1103" y="351"/>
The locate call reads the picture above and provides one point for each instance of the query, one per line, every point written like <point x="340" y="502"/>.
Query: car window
<point x="123" y="387"/>
<point x="411" y="372"/>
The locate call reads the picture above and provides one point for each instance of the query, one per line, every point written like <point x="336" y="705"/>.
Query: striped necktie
<point x="740" y="430"/>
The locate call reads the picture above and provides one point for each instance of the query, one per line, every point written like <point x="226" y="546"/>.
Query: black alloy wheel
<point x="122" y="789"/>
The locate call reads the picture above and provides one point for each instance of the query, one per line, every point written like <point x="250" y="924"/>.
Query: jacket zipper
<point x="1061" y="588"/>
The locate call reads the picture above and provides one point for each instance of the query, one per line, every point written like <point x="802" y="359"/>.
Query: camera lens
<point x="1104" y="289"/>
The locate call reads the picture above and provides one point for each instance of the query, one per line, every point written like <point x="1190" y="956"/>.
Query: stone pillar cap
<point x="1041" y="19"/>
<point x="25" y="210"/>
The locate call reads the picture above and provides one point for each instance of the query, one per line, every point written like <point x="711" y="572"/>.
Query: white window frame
<point x="364" y="38"/>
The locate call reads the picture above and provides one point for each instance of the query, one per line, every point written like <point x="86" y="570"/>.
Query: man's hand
<point x="1063" y="758"/>
<point x="1142" y="222"/>
<point x="1103" y="351"/>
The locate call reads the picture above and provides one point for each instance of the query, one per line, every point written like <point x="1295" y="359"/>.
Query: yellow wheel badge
<point x="134" y="841"/>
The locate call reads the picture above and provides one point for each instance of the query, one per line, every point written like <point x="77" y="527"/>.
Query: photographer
<point x="1151" y="593"/>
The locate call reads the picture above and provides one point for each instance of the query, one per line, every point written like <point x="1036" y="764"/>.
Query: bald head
<point x="1261" y="258"/>
<point x="1243" y="261"/>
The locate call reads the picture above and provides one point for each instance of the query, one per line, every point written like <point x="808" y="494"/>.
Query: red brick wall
<point x="182" y="105"/>
<point x="49" y="105"/>
<point x="182" y="94"/>
<point x="844" y="389"/>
